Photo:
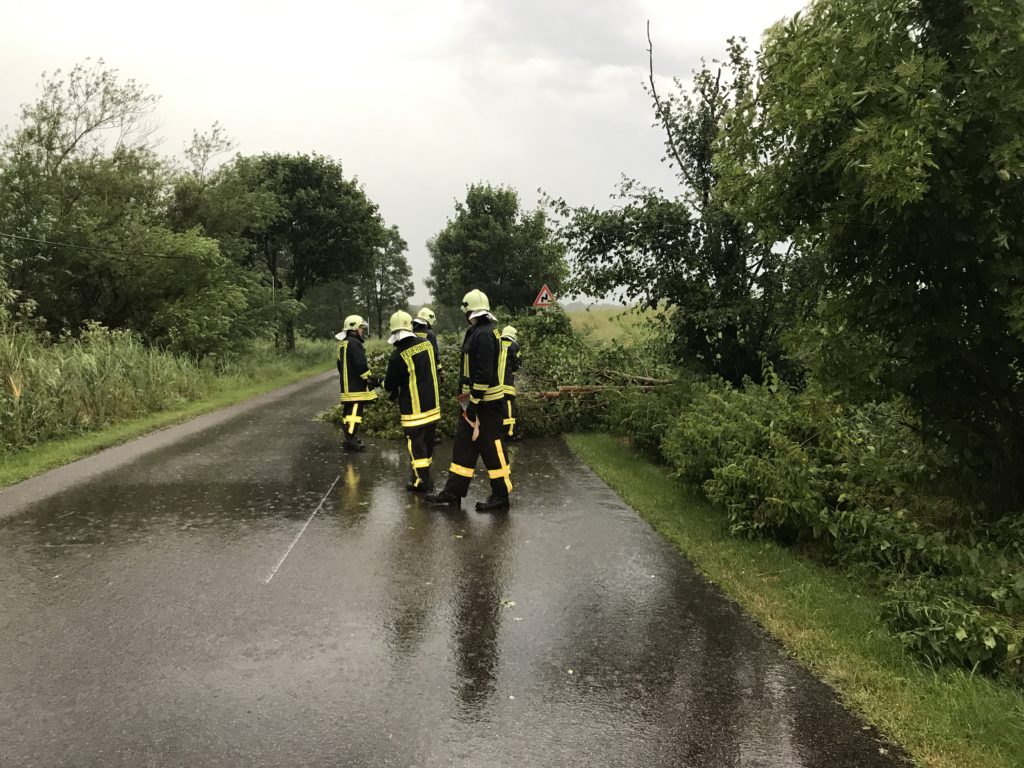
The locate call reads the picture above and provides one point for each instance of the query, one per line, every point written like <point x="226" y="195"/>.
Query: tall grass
<point x="50" y="391"/>
<point x="608" y="323"/>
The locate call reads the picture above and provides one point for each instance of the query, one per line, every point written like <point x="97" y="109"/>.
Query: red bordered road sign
<point x="545" y="298"/>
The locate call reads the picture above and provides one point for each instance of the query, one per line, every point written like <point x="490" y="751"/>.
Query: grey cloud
<point x="577" y="34"/>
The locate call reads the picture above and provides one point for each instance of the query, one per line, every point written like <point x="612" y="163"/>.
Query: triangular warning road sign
<point x="545" y="298"/>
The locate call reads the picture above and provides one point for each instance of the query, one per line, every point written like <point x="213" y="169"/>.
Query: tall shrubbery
<point x="54" y="390"/>
<point x="854" y="486"/>
<point x="884" y="144"/>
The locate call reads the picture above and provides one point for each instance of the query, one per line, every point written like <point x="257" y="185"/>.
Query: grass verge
<point x="39" y="459"/>
<point x="827" y="621"/>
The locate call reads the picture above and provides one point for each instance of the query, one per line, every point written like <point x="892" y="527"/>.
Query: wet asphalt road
<point x="146" y="618"/>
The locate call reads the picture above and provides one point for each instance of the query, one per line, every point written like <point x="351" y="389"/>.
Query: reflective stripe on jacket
<point x="354" y="371"/>
<point x="429" y="335"/>
<point x="508" y="364"/>
<point x="412" y="380"/>
<point x="480" y="350"/>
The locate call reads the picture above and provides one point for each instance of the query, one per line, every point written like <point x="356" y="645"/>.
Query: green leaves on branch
<point x="493" y="245"/>
<point x="884" y="143"/>
<point x="686" y="252"/>
<point x="96" y="227"/>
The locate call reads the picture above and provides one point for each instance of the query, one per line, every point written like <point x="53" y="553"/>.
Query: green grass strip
<point x="39" y="459"/>
<point x="827" y="621"/>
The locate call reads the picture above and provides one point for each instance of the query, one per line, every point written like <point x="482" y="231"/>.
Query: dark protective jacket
<point x="412" y="381"/>
<point x="354" y="372"/>
<point x="508" y="364"/>
<point x="480" y="351"/>
<point x="424" y="331"/>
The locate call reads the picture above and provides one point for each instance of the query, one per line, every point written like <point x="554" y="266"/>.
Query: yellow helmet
<point x="508" y="332"/>
<point x="426" y="313"/>
<point x="401" y="321"/>
<point x="475" y="301"/>
<point x="354" y="322"/>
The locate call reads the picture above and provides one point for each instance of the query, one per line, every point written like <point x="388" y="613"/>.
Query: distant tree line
<point x="195" y="257"/>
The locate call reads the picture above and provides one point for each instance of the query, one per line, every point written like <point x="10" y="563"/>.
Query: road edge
<point x="14" y="498"/>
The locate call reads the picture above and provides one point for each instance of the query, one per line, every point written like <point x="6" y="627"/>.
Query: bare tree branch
<point x="664" y="113"/>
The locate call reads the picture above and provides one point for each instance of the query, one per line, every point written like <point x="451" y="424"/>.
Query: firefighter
<point x="357" y="381"/>
<point x="508" y="364"/>
<point x="478" y="432"/>
<point x="423" y="325"/>
<point x="411" y="379"/>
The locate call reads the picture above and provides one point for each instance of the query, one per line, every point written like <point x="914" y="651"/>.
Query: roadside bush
<point x="644" y="415"/>
<point x="56" y="390"/>
<point x="944" y="630"/>
<point x="855" y="486"/>
<point x="50" y="390"/>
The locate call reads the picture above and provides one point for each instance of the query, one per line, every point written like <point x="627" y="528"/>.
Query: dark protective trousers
<point x="508" y="421"/>
<point x="352" y="417"/>
<point x="420" y="442"/>
<point x="488" y="445"/>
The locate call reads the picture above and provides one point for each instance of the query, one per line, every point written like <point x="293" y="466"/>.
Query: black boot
<point x="423" y="486"/>
<point x="353" y="444"/>
<point x="443" y="498"/>
<point x="494" y="503"/>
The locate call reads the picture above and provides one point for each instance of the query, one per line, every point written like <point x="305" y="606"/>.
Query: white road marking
<point x="287" y="551"/>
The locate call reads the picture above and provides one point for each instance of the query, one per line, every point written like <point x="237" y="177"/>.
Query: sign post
<point x="545" y="298"/>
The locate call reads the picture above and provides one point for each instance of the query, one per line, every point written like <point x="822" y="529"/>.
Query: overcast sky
<point x="416" y="99"/>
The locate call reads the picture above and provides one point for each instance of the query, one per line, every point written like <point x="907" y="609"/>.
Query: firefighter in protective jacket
<point x="411" y="379"/>
<point x="357" y="381"/>
<point x="508" y="365"/>
<point x="423" y="326"/>
<point x="478" y="433"/>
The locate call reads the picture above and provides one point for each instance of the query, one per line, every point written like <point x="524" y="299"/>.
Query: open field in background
<point x="607" y="322"/>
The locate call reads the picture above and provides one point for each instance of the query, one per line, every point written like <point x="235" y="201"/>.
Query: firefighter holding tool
<point x="411" y="380"/>
<point x="357" y="381"/>
<point x="479" y="429"/>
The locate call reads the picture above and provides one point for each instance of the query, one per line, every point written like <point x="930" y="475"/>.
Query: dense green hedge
<point x="855" y="487"/>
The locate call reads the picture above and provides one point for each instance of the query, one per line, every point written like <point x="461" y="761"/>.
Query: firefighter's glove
<point x="471" y="412"/>
<point x="373" y="381"/>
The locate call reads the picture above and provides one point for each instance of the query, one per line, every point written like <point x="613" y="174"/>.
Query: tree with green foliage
<point x="886" y="143"/>
<point x="85" y="228"/>
<point x="492" y="245"/>
<point x="388" y="285"/>
<point x="227" y="203"/>
<point x="327" y="227"/>
<point x="66" y="173"/>
<point x="687" y="252"/>
<point x="232" y="205"/>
